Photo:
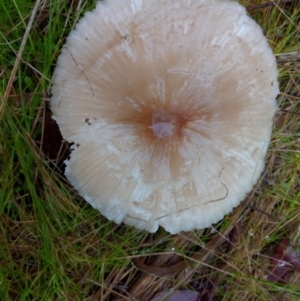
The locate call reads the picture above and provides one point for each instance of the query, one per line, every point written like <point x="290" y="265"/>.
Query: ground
<point x="54" y="246"/>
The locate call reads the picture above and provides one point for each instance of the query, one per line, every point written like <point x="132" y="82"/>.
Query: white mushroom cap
<point x="169" y="105"/>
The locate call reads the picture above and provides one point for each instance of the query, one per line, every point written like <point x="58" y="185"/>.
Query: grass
<point x="54" y="246"/>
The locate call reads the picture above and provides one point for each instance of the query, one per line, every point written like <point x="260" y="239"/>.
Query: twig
<point x="184" y="209"/>
<point x="267" y="4"/>
<point x="82" y="70"/>
<point x="288" y="57"/>
<point x="19" y="56"/>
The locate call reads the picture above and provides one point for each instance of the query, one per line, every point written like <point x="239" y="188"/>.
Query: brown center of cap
<point x="166" y="124"/>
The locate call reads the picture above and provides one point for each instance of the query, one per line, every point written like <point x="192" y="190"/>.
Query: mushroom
<point x="169" y="106"/>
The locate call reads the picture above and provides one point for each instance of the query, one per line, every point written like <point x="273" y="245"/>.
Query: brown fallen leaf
<point x="285" y="259"/>
<point x="160" y="271"/>
<point x="184" y="295"/>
